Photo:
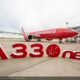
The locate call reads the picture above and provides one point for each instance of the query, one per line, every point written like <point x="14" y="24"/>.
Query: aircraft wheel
<point x="39" y="40"/>
<point x="73" y="41"/>
<point x="60" y="41"/>
<point x="66" y="40"/>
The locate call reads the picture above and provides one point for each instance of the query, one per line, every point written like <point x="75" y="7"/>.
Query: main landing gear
<point x="60" y="40"/>
<point x="38" y="39"/>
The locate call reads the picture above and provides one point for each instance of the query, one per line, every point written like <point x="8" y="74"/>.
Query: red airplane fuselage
<point x="58" y="33"/>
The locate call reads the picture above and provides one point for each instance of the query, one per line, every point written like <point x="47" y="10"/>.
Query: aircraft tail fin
<point x="23" y="32"/>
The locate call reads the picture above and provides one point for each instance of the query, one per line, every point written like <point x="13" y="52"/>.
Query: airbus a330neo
<point x="57" y="33"/>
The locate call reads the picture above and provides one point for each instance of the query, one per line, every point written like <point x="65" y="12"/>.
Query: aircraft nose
<point x="75" y="32"/>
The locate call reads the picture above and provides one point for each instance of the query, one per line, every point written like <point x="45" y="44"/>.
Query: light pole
<point x="66" y="40"/>
<point x="67" y="24"/>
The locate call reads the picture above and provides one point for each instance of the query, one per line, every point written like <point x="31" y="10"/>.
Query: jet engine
<point x="28" y="37"/>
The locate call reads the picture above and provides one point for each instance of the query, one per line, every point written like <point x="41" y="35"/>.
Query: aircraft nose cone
<point x="75" y="32"/>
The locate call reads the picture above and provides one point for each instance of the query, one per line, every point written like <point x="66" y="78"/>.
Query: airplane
<point x="56" y="33"/>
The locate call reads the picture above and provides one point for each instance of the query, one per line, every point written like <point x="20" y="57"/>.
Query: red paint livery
<point x="58" y="33"/>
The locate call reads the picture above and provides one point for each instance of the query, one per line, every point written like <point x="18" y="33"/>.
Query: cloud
<point x="38" y="14"/>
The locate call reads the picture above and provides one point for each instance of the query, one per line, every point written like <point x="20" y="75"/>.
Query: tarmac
<point x="36" y="67"/>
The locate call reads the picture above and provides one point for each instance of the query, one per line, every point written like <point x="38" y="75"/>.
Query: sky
<point x="38" y="15"/>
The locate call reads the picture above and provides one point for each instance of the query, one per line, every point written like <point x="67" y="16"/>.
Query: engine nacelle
<point x="28" y="37"/>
